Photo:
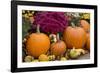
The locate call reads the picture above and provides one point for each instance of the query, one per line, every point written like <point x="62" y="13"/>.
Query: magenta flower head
<point x="52" y="22"/>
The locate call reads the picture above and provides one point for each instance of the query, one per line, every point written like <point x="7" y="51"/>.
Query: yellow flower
<point x="26" y="16"/>
<point x="30" y="14"/>
<point x="86" y="16"/>
<point x="23" y="11"/>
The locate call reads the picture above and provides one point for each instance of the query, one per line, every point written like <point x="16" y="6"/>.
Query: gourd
<point x="75" y="53"/>
<point x="43" y="57"/>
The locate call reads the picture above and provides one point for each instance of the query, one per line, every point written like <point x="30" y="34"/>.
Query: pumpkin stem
<point x="58" y="38"/>
<point x="38" y="29"/>
<point x="73" y="25"/>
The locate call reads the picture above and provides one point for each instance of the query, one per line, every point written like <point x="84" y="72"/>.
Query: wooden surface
<point x="86" y="56"/>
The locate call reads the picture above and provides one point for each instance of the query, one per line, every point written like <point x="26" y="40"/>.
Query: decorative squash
<point x="28" y="59"/>
<point x="58" y="48"/>
<point x="74" y="53"/>
<point x="51" y="57"/>
<point x="63" y="59"/>
<point x="43" y="57"/>
<point x="35" y="60"/>
<point x="37" y="44"/>
<point x="85" y="25"/>
<point x="74" y="37"/>
<point x="88" y="41"/>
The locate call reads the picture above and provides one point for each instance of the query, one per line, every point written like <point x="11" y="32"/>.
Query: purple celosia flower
<point x="51" y="21"/>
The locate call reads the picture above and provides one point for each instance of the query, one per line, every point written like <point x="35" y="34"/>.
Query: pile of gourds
<point x="71" y="43"/>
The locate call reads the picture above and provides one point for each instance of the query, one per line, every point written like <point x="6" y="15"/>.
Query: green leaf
<point x="25" y="27"/>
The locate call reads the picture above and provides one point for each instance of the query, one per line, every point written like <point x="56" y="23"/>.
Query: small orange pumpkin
<point x="85" y="25"/>
<point x="88" y="41"/>
<point x="74" y="37"/>
<point x="37" y="44"/>
<point x="58" y="48"/>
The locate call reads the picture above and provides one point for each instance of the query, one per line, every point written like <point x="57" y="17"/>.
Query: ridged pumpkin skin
<point x="85" y="25"/>
<point x="37" y="44"/>
<point x="88" y="41"/>
<point x="74" y="37"/>
<point x="58" y="48"/>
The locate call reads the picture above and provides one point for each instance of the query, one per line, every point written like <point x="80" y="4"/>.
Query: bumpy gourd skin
<point x="37" y="44"/>
<point x="74" y="37"/>
<point x="43" y="57"/>
<point x="52" y="22"/>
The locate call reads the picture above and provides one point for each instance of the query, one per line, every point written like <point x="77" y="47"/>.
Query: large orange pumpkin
<point x="85" y="25"/>
<point x="88" y="41"/>
<point x="74" y="37"/>
<point x="37" y="44"/>
<point x="58" y="48"/>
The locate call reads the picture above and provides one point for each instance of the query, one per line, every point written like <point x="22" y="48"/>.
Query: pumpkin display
<point x="85" y="25"/>
<point x="88" y="41"/>
<point x="64" y="36"/>
<point x="58" y="48"/>
<point x="74" y="37"/>
<point x="37" y="44"/>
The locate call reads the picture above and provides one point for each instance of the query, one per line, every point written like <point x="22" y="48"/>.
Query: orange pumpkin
<point x="88" y="41"/>
<point x="37" y="44"/>
<point x="58" y="48"/>
<point x="74" y="37"/>
<point x="85" y="25"/>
